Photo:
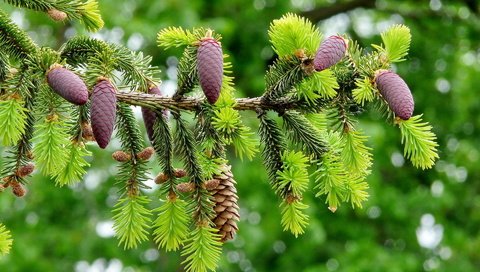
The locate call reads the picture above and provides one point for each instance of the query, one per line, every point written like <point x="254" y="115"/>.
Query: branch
<point x="325" y="12"/>
<point x="190" y="103"/>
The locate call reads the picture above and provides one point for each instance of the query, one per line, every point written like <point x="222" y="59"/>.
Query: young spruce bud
<point x="103" y="112"/>
<point x="210" y="67"/>
<point x="67" y="84"/>
<point x="25" y="170"/>
<point x="331" y="51"/>
<point x="121" y="156"/>
<point x="396" y="92"/>
<point x="186" y="187"/>
<point x="146" y="153"/>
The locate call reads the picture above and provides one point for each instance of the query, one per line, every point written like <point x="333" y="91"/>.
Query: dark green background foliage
<point x="55" y="229"/>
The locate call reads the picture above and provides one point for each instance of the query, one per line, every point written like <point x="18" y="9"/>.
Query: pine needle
<point x="171" y="224"/>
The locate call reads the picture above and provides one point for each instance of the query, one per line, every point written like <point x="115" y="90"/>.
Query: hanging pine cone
<point x="396" y="92"/>
<point x="67" y="84"/>
<point x="330" y="52"/>
<point x="103" y="112"/>
<point x="210" y="67"/>
<point x="226" y="207"/>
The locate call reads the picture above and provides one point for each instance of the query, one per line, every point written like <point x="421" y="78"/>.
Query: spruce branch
<point x="283" y="75"/>
<point x="74" y="170"/>
<point x="163" y="145"/>
<point x="13" y="40"/>
<point x="397" y="42"/>
<point x="131" y="220"/>
<point x="187" y="72"/>
<point x="185" y="147"/>
<point x="87" y="12"/>
<point x="171" y="225"/>
<point x="293" y="34"/>
<point x="202" y="250"/>
<point x="303" y="132"/>
<point x="294" y="218"/>
<point x="12" y="120"/>
<point x="175" y="37"/>
<point x="274" y="146"/>
<point x="5" y="240"/>
<point x="419" y="142"/>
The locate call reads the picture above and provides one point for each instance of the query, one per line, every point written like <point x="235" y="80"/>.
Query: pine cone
<point x="226" y="207"/>
<point x="150" y="116"/>
<point x="396" y="92"/>
<point x="210" y="68"/>
<point x="68" y="85"/>
<point x="103" y="112"/>
<point x="330" y="52"/>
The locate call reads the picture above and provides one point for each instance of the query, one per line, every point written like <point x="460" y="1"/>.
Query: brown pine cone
<point x="226" y="206"/>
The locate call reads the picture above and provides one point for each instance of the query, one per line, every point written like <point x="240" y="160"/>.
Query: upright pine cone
<point x="226" y="207"/>
<point x="150" y="116"/>
<point x="210" y="68"/>
<point x="330" y="52"/>
<point x="103" y="112"/>
<point x="68" y="85"/>
<point x="396" y="92"/>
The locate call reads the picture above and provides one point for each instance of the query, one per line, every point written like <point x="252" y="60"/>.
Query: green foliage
<point x="5" y="240"/>
<point x="281" y="77"/>
<point x="356" y="190"/>
<point x="397" y="42"/>
<point x="274" y="146"/>
<point x="51" y="139"/>
<point x="163" y="144"/>
<point x="319" y="85"/>
<point x="74" y="170"/>
<point x="294" y="174"/>
<point x="15" y="42"/>
<point x="175" y="37"/>
<point x="293" y="33"/>
<point x="302" y="132"/>
<point x="364" y="91"/>
<point x="330" y="179"/>
<point x="419" y="142"/>
<point x="294" y="218"/>
<point x="356" y="155"/>
<point x="131" y="220"/>
<point x="12" y="121"/>
<point x="202" y="250"/>
<point x="187" y="71"/>
<point x="90" y="15"/>
<point x="171" y="225"/>
<point x="184" y="146"/>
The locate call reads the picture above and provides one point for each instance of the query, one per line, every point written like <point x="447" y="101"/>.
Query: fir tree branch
<point x="163" y="145"/>
<point x="13" y="40"/>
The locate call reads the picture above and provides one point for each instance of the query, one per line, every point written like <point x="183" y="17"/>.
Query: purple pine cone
<point x="68" y="85"/>
<point x="329" y="53"/>
<point x="150" y="116"/>
<point x="103" y="112"/>
<point x="210" y="68"/>
<point x="396" y="92"/>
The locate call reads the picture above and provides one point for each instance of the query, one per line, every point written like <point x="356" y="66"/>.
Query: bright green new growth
<point x="74" y="170"/>
<point x="294" y="218"/>
<point x="202" y="250"/>
<point x="91" y="15"/>
<point x="292" y="34"/>
<point x="175" y="37"/>
<point x="364" y="92"/>
<point x="396" y="40"/>
<point x="5" y="240"/>
<point x="356" y="155"/>
<point x="294" y="175"/>
<point x="419" y="141"/>
<point x="12" y="121"/>
<point x="330" y="179"/>
<point x="131" y="220"/>
<point x="171" y="225"/>
<point x="320" y="85"/>
<point x="51" y="140"/>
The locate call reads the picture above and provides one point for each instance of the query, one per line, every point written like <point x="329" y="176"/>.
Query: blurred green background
<point x="414" y="220"/>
